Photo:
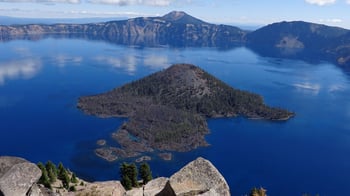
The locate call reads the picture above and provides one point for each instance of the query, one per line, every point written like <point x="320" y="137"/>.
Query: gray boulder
<point x="154" y="186"/>
<point x="35" y="191"/>
<point x="199" y="177"/>
<point x="17" y="176"/>
<point x="6" y="162"/>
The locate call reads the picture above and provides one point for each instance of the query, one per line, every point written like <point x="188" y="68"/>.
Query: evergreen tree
<point x="128" y="174"/>
<point x="44" y="179"/>
<point x="63" y="176"/>
<point x="60" y="171"/>
<point x="126" y="182"/>
<point x="65" y="180"/>
<point x="74" y="178"/>
<point x="51" y="171"/>
<point x="145" y="173"/>
<point x="133" y="175"/>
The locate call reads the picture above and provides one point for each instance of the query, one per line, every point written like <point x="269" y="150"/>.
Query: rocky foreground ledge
<point x="18" y="177"/>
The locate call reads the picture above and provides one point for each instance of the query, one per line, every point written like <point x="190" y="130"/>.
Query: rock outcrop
<point x="175" y="28"/>
<point x="17" y="177"/>
<point x="152" y="188"/>
<point x="110" y="188"/>
<point x="155" y="186"/>
<point x="200" y="177"/>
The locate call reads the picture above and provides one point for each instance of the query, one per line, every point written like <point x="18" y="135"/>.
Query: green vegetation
<point x="167" y="128"/>
<point x="195" y="90"/>
<point x="128" y="174"/>
<point x="50" y="174"/>
<point x="44" y="179"/>
<point x="145" y="173"/>
<point x="167" y="109"/>
<point x="63" y="176"/>
<point x="74" y="178"/>
<point x="258" y="192"/>
<point x="52" y="171"/>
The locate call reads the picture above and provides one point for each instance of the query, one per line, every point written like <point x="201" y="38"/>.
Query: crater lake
<point x="41" y="81"/>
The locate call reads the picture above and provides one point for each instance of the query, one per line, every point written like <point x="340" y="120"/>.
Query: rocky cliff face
<point x="18" y="177"/>
<point x="175" y="28"/>
<point x="302" y="40"/>
<point x="297" y="39"/>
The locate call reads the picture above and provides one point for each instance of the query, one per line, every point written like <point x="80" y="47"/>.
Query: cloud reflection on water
<point x="128" y="63"/>
<point x="63" y="60"/>
<point x="156" y="62"/>
<point x="19" y="69"/>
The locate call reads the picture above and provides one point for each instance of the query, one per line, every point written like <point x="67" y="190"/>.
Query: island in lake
<point x="167" y="111"/>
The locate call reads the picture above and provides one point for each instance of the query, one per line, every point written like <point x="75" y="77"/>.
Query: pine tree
<point x="44" y="179"/>
<point x="61" y="171"/>
<point x="63" y="176"/>
<point x="51" y="171"/>
<point x="66" y="180"/>
<point x="133" y="175"/>
<point x="128" y="174"/>
<point x="145" y="173"/>
<point x="74" y="178"/>
<point x="126" y="182"/>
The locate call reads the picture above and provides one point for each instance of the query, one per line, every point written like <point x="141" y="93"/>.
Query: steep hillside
<point x="167" y="109"/>
<point x="302" y="40"/>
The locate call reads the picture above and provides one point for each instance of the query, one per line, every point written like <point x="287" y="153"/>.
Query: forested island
<point x="167" y="110"/>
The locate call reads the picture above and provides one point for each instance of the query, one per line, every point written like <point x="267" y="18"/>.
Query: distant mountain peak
<point x="175" y="15"/>
<point x="182" y="17"/>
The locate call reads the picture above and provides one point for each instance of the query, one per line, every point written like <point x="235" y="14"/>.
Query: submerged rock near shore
<point x="167" y="110"/>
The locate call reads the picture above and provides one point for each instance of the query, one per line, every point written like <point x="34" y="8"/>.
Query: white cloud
<point x="134" y="2"/>
<point x="348" y="1"/>
<point x="42" y="1"/>
<point x="321" y="2"/>
<point x="105" y="13"/>
<point x="332" y="20"/>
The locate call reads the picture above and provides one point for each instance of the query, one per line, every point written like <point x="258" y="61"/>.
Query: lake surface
<point x="40" y="82"/>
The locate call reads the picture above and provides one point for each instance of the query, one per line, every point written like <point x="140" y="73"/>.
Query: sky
<point x="243" y="12"/>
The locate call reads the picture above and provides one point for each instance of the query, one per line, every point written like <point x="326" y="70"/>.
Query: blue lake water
<point x="40" y="82"/>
